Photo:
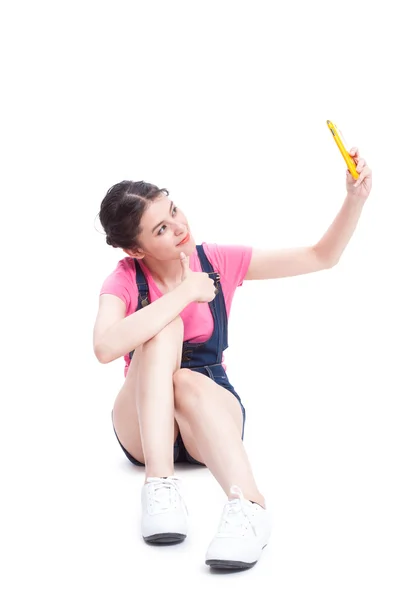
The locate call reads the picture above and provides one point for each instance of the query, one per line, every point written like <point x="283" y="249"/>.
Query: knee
<point x="173" y="332"/>
<point x="183" y="379"/>
<point x="185" y="388"/>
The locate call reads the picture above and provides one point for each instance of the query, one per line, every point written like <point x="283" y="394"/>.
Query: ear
<point x="136" y="253"/>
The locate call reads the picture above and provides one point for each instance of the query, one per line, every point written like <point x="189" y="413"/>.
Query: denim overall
<point x="203" y="358"/>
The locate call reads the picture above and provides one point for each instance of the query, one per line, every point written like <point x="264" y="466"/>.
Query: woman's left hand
<point x="359" y="188"/>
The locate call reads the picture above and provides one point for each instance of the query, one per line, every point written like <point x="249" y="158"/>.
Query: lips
<point x="186" y="239"/>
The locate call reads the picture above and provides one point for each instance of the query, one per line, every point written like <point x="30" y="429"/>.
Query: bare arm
<point x="269" y="264"/>
<point x="116" y="335"/>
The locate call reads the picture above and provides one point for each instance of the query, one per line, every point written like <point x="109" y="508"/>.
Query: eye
<point x="162" y="229"/>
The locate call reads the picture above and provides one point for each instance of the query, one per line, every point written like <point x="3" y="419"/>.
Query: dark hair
<point x="122" y="209"/>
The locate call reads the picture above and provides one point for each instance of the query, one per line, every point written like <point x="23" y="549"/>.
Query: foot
<point x="243" y="532"/>
<point x="164" y="513"/>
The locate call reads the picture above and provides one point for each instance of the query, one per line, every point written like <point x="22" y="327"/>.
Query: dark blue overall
<point x="205" y="358"/>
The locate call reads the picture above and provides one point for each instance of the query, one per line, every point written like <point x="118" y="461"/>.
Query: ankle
<point x="254" y="497"/>
<point x="151" y="474"/>
<point x="260" y="502"/>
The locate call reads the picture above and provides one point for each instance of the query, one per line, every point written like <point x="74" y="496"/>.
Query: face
<point x="165" y="231"/>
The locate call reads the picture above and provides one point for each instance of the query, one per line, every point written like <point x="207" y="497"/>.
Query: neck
<point x="168" y="273"/>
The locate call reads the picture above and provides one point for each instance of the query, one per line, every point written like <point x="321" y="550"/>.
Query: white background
<point x="225" y="104"/>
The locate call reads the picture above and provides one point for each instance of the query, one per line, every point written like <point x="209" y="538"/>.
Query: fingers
<point x="360" y="165"/>
<point x="360" y="162"/>
<point x="354" y="153"/>
<point x="184" y="263"/>
<point x="366" y="172"/>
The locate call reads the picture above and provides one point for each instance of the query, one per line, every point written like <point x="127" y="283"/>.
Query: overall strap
<point x="205" y="263"/>
<point x="218" y="304"/>
<point x="207" y="266"/>
<point x="143" y="288"/>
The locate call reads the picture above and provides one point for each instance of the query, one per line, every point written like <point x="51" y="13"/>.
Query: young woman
<point x="165" y="308"/>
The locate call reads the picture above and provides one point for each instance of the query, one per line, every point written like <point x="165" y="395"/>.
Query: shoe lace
<point x="164" y="494"/>
<point x="235" y="520"/>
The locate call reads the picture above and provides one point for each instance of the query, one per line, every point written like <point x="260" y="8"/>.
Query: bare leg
<point x="143" y="413"/>
<point x="210" y="421"/>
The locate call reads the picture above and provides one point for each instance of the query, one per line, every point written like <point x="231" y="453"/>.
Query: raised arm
<point x="270" y="264"/>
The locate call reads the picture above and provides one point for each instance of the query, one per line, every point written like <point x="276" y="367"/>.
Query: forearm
<point x="132" y="331"/>
<point x="332" y="244"/>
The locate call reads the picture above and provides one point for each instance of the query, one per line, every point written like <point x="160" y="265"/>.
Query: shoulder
<point x="125" y="269"/>
<point x="121" y="281"/>
<point x="230" y="260"/>
<point x="225" y="254"/>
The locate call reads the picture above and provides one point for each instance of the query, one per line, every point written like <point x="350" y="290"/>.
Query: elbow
<point x="324" y="260"/>
<point x="102" y="355"/>
<point x="334" y="263"/>
<point x="329" y="264"/>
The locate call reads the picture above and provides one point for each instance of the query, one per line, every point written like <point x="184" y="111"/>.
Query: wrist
<point x="355" y="199"/>
<point x="186" y="292"/>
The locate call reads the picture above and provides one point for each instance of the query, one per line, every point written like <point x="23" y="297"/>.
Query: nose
<point x="180" y="228"/>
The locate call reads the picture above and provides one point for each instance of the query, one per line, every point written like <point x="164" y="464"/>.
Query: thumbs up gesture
<point x="201" y="286"/>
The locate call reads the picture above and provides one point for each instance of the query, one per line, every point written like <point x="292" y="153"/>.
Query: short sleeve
<point x="120" y="283"/>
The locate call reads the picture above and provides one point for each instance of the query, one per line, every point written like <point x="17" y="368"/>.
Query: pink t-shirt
<point x="231" y="262"/>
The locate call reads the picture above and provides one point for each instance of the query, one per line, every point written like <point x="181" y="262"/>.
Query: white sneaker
<point x="244" y="530"/>
<point x="164" y="513"/>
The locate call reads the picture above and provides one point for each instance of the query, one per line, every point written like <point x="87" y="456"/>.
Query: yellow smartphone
<point x="351" y="165"/>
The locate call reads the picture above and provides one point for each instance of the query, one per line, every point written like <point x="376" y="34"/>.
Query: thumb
<point x="185" y="264"/>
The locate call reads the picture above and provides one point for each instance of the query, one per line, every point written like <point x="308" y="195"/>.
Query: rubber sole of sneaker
<point x="214" y="563"/>
<point x="165" y="538"/>
<point x="229" y="564"/>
